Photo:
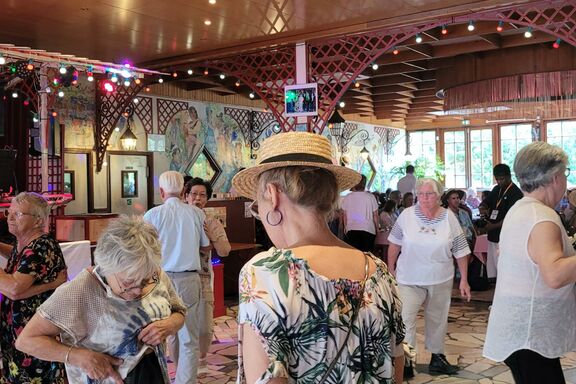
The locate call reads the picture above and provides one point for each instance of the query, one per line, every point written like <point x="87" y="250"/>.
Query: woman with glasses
<point x="430" y="237"/>
<point x="312" y="308"/>
<point x="35" y="268"/>
<point x="113" y="319"/>
<point x="197" y="192"/>
<point x="532" y="319"/>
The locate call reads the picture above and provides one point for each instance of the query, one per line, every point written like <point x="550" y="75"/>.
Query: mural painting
<point x="77" y="112"/>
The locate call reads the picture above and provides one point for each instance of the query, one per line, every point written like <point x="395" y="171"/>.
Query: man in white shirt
<point x="360" y="217"/>
<point x="408" y="182"/>
<point x="180" y="228"/>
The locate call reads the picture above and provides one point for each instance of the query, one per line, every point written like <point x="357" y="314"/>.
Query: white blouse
<point x="527" y="313"/>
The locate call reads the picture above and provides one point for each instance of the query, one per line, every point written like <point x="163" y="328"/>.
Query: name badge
<point x="494" y="214"/>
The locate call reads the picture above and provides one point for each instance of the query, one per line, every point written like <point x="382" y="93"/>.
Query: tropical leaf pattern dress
<point x="302" y="319"/>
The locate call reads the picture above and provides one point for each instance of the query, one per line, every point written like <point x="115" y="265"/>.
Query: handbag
<point x="352" y="320"/>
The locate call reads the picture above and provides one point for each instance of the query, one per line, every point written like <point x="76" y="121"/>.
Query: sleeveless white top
<point x="526" y="313"/>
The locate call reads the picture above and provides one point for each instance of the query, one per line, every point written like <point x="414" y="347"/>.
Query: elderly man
<point x="181" y="231"/>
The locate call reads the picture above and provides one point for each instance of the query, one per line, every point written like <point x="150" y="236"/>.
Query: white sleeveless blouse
<point x="526" y="313"/>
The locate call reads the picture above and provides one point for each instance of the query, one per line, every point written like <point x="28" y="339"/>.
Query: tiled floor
<point x="466" y="330"/>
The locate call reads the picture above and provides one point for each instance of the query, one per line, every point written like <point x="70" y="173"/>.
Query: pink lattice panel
<point x="166" y="110"/>
<point x="266" y="73"/>
<point x="387" y="137"/>
<point x="143" y="109"/>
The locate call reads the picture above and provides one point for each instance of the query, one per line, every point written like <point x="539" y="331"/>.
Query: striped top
<point x="428" y="246"/>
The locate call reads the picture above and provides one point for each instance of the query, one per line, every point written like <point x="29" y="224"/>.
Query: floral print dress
<point x="43" y="260"/>
<point x="302" y="319"/>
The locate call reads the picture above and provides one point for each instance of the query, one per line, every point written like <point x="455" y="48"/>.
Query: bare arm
<point x="36" y="289"/>
<point x="14" y="285"/>
<point x="376" y="219"/>
<point x="393" y="252"/>
<point x="39" y="340"/>
<point x="545" y="249"/>
<point x="464" y="286"/>
<point x="5" y="250"/>
<point x="257" y="363"/>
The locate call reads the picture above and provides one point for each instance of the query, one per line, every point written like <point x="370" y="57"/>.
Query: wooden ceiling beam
<point x="425" y="50"/>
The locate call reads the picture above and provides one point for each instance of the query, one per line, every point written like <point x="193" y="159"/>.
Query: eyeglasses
<point x="126" y="288"/>
<point x="17" y="214"/>
<point x="567" y="172"/>
<point x="196" y="194"/>
<point x="426" y="194"/>
<point x="253" y="207"/>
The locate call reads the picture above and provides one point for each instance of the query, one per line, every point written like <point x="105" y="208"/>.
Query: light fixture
<point x="207" y="22"/>
<point x="136" y="100"/>
<point x="137" y="81"/>
<point x="61" y="94"/>
<point x="174" y="74"/>
<point x="30" y="66"/>
<point x="556" y="44"/>
<point x="364" y="153"/>
<point x="471" y="26"/>
<point x="54" y="113"/>
<point x="251" y="95"/>
<point x="395" y="51"/>
<point x="35" y="119"/>
<point x="342" y="104"/>
<point x="128" y="139"/>
<point x="212" y="2"/>
<point x="160" y="80"/>
<point x="107" y="86"/>
<point x="206" y="72"/>
<point x="444" y="30"/>
<point x="114" y="78"/>
<point x="336" y="124"/>
<point x="357" y="84"/>
<point x="528" y="33"/>
<point x="222" y="76"/>
<point x="500" y="26"/>
<point x="2" y="60"/>
<point x="90" y="76"/>
<point x="117" y="129"/>
<point x="14" y="95"/>
<point x="190" y="71"/>
<point x="126" y="83"/>
<point x="418" y="38"/>
<point x="62" y="69"/>
<point x="375" y="66"/>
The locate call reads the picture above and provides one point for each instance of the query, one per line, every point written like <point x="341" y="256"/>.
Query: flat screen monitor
<point x="301" y="100"/>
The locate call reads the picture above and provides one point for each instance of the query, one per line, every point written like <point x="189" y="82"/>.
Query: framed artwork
<point x="129" y="183"/>
<point x="69" y="186"/>
<point x="301" y="100"/>
<point x="204" y="166"/>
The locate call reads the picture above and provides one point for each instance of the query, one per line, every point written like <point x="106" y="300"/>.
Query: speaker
<point x="8" y="171"/>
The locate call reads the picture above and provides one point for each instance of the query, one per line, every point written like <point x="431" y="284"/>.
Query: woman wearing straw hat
<point x="312" y="307"/>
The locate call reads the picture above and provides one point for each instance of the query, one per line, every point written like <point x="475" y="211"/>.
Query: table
<point x="240" y="253"/>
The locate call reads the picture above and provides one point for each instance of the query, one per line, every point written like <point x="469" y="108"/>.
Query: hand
<point x="465" y="290"/>
<point x="98" y="366"/>
<point x="62" y="277"/>
<point x="392" y="271"/>
<point x="155" y="333"/>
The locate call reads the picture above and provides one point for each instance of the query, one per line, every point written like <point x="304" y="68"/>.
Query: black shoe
<point x="439" y="364"/>
<point x="408" y="372"/>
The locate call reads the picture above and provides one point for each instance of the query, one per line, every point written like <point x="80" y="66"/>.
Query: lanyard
<point x="501" y="197"/>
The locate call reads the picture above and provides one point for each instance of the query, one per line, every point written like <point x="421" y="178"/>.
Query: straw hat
<point x="293" y="149"/>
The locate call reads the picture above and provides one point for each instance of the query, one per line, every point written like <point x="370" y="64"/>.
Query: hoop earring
<point x="278" y="221"/>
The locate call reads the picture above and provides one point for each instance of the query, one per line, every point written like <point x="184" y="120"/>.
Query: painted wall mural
<point x="77" y="111"/>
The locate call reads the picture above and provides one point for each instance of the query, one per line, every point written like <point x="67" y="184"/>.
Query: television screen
<point x="301" y="100"/>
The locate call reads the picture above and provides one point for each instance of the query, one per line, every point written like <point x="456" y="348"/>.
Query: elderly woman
<point x="197" y="192"/>
<point x="532" y="319"/>
<point x="453" y="202"/>
<point x="112" y="319"/>
<point x="35" y="268"/>
<point x="429" y="236"/>
<point x="311" y="307"/>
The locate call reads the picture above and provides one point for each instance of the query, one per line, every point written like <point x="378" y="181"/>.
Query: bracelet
<point x="68" y="355"/>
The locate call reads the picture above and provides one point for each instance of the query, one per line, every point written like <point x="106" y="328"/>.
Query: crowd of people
<point x="318" y="306"/>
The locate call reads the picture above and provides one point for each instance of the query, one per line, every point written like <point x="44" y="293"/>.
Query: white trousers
<point x="185" y="346"/>
<point x="492" y="260"/>
<point x="436" y="300"/>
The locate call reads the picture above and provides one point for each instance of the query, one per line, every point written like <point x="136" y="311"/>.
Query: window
<point x="423" y="145"/>
<point x="512" y="139"/>
<point x="563" y="134"/>
<point x="455" y="159"/>
<point x="481" y="162"/>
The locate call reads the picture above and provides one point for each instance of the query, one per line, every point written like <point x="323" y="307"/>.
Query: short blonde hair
<point x="308" y="187"/>
<point x="129" y="245"/>
<point x="428" y="181"/>
<point x="38" y="205"/>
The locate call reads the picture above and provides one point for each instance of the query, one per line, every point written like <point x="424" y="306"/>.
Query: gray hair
<point x="38" y="205"/>
<point x="537" y="163"/>
<point x="171" y="182"/>
<point x="129" y="245"/>
<point x="427" y="181"/>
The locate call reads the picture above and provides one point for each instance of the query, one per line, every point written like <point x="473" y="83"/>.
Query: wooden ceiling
<point x="170" y="34"/>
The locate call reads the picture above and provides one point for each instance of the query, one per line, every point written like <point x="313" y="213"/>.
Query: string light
<point x="500" y="26"/>
<point x="395" y="51"/>
<point x="61" y="94"/>
<point x="444" y="30"/>
<point x="160" y="80"/>
<point x="126" y="83"/>
<point x="251" y="95"/>
<point x="556" y="44"/>
<point x="190" y="71"/>
<point x="62" y="69"/>
<point x="237" y="83"/>
<point x="137" y="81"/>
<point x="222" y="76"/>
<point x="471" y="26"/>
<point x="174" y="74"/>
<point x="30" y="66"/>
<point x="206" y="72"/>
<point x="54" y="113"/>
<point x="114" y="78"/>
<point x="418" y="38"/>
<point x="356" y="84"/>
<point x="90" y="77"/>
<point x="375" y="66"/>
<point x="2" y="60"/>
<point x="207" y="22"/>
<point x="14" y="95"/>
<point x="528" y="33"/>
<point x="341" y="104"/>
